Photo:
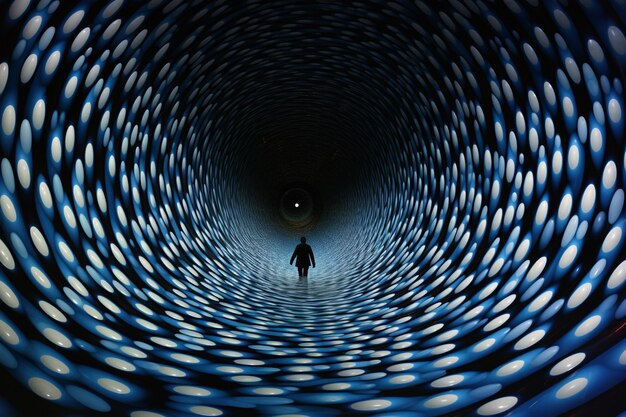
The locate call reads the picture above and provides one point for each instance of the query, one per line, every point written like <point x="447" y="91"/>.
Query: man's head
<point x="303" y="239"/>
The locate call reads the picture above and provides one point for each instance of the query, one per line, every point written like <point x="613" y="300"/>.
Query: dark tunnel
<point x="458" y="168"/>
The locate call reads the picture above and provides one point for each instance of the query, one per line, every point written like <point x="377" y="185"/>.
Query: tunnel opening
<point x="457" y="167"/>
<point x="299" y="207"/>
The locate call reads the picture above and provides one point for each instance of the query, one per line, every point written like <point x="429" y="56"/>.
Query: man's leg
<point x="306" y="271"/>
<point x="300" y="271"/>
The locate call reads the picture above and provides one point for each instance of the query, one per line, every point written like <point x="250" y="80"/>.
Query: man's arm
<point x="312" y="257"/>
<point x="293" y="256"/>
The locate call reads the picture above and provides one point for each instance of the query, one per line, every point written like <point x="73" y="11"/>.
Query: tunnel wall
<point x="468" y="165"/>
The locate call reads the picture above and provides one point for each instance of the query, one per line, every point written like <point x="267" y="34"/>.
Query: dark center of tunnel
<point x="299" y="208"/>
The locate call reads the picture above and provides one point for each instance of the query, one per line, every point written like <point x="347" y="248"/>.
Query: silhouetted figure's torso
<point x="303" y="255"/>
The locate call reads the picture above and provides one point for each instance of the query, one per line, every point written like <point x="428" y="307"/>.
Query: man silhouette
<point x="301" y="254"/>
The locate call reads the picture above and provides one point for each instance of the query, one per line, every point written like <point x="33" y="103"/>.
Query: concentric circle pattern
<point x="468" y="157"/>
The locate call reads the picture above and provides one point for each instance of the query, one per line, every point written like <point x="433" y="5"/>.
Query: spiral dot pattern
<point x="469" y="158"/>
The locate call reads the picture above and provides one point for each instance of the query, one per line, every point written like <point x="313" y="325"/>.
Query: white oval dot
<point x="28" y="69"/>
<point x="589" y="198"/>
<point x="18" y="7"/>
<point x="567" y="364"/>
<point x="120" y="364"/>
<point x="142" y="413"/>
<point x="337" y="386"/>
<point x="70" y="87"/>
<point x="66" y="252"/>
<point x="441" y="401"/>
<point x="596" y="139"/>
<point x="193" y="391"/>
<point x="568" y="256"/>
<point x="588" y="325"/>
<point x="4" y="75"/>
<point x="497" y="406"/>
<point x="7" y="295"/>
<point x="69" y="139"/>
<point x="369" y="405"/>
<point x="612" y="239"/>
<point x="113" y="385"/>
<point x="8" y="120"/>
<point x="40" y="277"/>
<point x="609" y="175"/>
<point x="52" y="311"/>
<point x="402" y="379"/>
<point x="73" y="21"/>
<point x="6" y="258"/>
<point x="45" y="195"/>
<point x="23" y="173"/>
<point x="54" y="364"/>
<point x="52" y="63"/>
<point x="571" y="388"/>
<point x="615" y="111"/>
<point x="510" y="368"/>
<point x="39" y="241"/>
<point x="203" y="410"/>
<point x="484" y="344"/>
<point x="616" y="279"/>
<point x="8" y="209"/>
<point x="80" y="39"/>
<point x="44" y="388"/>
<point x="268" y="391"/>
<point x="595" y="50"/>
<point x="447" y="381"/>
<point x="55" y="148"/>
<point x="530" y="339"/>
<point x="57" y="337"/>
<point x="8" y="334"/>
<point x="39" y="114"/>
<point x="617" y="40"/>
<point x="579" y="296"/>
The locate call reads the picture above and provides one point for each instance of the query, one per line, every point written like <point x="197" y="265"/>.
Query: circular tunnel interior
<point x="457" y="167"/>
